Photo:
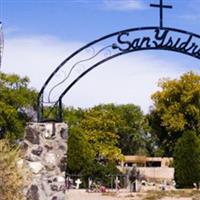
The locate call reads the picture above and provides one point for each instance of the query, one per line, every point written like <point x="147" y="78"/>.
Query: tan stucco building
<point x="151" y="167"/>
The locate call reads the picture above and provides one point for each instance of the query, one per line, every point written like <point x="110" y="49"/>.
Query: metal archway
<point x="99" y="51"/>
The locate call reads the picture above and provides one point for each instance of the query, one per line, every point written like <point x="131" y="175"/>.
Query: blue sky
<point x="87" y="19"/>
<point x="39" y="34"/>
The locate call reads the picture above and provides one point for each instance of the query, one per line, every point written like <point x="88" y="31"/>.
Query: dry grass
<point x="11" y="179"/>
<point x="152" y="195"/>
<point x="157" y="195"/>
<point x="112" y="194"/>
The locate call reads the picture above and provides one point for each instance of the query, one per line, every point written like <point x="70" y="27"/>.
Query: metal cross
<point x="161" y="6"/>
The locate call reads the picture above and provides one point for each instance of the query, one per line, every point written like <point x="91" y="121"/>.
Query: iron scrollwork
<point x="108" y="47"/>
<point x="81" y="68"/>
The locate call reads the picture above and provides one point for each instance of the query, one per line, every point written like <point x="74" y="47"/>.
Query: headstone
<point x="164" y="185"/>
<point x="89" y="184"/>
<point x="137" y="186"/>
<point x="174" y="184"/>
<point x="78" y="182"/>
<point x="45" y="157"/>
<point x="117" y="182"/>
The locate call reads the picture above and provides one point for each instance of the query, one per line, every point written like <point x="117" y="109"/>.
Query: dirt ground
<point x="124" y="195"/>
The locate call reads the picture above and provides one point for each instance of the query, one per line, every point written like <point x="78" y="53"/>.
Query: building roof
<point x="143" y="159"/>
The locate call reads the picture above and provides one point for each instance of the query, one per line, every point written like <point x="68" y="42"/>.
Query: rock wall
<point x="45" y="147"/>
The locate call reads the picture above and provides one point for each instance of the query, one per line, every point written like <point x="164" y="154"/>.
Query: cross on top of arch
<point x="161" y="6"/>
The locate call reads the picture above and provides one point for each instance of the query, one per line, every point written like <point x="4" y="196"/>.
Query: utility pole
<point x="1" y="43"/>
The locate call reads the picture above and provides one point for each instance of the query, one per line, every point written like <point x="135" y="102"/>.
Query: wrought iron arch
<point x="106" y="48"/>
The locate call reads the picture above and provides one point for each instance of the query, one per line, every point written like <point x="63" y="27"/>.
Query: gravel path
<point x="83" y="195"/>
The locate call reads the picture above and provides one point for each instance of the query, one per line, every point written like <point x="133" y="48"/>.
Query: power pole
<point x="1" y="43"/>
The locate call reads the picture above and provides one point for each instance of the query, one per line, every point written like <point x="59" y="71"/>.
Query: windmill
<point x="1" y="43"/>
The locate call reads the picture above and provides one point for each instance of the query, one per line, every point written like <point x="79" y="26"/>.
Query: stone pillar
<point x="45" y="147"/>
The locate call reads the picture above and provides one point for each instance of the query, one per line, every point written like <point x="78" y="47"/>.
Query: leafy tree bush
<point x="92" y="142"/>
<point x="16" y="105"/>
<point x="98" y="136"/>
<point x="187" y="160"/>
<point x="130" y="126"/>
<point x="82" y="160"/>
<point x="11" y="180"/>
<point x="175" y="110"/>
<point x="99" y="128"/>
<point x="101" y="173"/>
<point x="80" y="154"/>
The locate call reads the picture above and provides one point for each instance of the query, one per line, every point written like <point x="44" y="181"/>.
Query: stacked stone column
<point x="45" y="147"/>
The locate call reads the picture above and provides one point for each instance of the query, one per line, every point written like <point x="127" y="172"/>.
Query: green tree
<point x="175" y="110"/>
<point x="99" y="127"/>
<point x="131" y="127"/>
<point x="80" y="155"/>
<point x="187" y="160"/>
<point x="99" y="136"/>
<point x="73" y="116"/>
<point x="16" y="100"/>
<point x="132" y="130"/>
<point x="92" y="144"/>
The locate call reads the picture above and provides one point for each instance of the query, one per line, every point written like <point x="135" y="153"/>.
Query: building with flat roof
<point x="159" y="168"/>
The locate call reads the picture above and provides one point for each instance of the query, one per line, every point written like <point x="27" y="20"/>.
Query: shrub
<point x="11" y="181"/>
<point x="187" y="160"/>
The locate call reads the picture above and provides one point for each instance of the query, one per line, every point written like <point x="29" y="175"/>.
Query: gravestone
<point x="45" y="147"/>
<point x="117" y="182"/>
<point x="78" y="182"/>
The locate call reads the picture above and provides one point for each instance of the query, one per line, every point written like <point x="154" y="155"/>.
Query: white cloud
<point x="127" y="79"/>
<point x="35" y="56"/>
<point x="123" y="5"/>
